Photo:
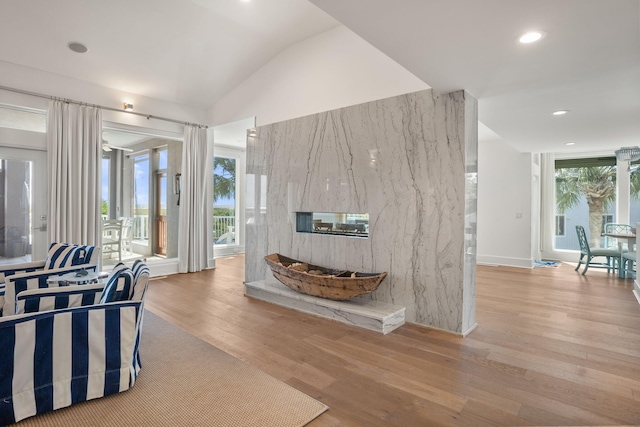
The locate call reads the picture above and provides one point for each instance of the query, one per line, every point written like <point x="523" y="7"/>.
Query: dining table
<point x="622" y="238"/>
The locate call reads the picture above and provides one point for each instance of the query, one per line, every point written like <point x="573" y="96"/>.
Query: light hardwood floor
<point x="552" y="347"/>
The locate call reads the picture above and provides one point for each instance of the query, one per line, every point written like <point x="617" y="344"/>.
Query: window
<point x="560" y="225"/>
<point x="141" y="199"/>
<point x="585" y="189"/>
<point x="606" y="219"/>
<point x="224" y="200"/>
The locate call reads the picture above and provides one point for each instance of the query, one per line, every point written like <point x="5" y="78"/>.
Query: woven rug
<point x="185" y="381"/>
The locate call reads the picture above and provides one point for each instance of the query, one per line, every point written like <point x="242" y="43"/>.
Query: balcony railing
<point x="224" y="230"/>
<point x="141" y="227"/>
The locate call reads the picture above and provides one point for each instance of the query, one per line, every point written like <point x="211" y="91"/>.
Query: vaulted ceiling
<point x="195" y="51"/>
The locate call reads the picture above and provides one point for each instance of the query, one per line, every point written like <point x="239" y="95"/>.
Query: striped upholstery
<point x="27" y="267"/>
<point x="36" y="280"/>
<point x="35" y="300"/>
<point x="63" y="258"/>
<point x="54" y="359"/>
<point x="141" y="276"/>
<point x="119" y="285"/>
<point x="64" y="255"/>
<point x="59" y="255"/>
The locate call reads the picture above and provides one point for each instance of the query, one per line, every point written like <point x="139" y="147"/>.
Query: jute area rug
<point x="185" y="381"/>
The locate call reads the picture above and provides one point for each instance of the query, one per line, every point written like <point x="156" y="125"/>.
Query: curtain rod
<point x="71" y="101"/>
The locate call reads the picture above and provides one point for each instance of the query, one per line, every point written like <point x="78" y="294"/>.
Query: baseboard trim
<point x="491" y="260"/>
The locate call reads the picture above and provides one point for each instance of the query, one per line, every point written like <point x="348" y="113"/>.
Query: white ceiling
<point x="588" y="63"/>
<point x="186" y="51"/>
<point x="195" y="51"/>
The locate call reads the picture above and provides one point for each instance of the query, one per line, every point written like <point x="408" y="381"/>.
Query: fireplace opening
<point x="333" y="223"/>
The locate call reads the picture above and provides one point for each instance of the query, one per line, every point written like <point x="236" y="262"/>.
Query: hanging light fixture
<point x="628" y="154"/>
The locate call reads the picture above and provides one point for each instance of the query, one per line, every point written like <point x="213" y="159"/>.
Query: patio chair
<point x="127" y="234"/>
<point x="112" y="237"/>
<point x="612" y="255"/>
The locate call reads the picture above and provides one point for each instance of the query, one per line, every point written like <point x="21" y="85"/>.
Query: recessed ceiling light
<point x="560" y="112"/>
<point x="77" y="47"/>
<point x="570" y="143"/>
<point x="531" y="36"/>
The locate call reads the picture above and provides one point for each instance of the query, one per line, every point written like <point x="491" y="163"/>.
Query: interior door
<point x="23" y="205"/>
<point x="161" y="213"/>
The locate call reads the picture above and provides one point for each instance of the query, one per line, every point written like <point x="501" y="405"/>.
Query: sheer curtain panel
<point x="74" y="136"/>
<point x="192" y="224"/>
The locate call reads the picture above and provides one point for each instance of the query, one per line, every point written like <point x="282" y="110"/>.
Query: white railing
<point x="224" y="229"/>
<point x="141" y="227"/>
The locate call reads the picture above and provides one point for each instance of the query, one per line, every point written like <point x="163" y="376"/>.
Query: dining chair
<point x="613" y="228"/>
<point x="613" y="256"/>
<point x="628" y="263"/>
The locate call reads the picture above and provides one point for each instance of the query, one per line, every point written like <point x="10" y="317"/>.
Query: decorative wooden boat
<point x="321" y="281"/>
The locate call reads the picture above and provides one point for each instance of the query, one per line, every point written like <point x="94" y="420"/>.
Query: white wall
<point x="331" y="70"/>
<point x="504" y="205"/>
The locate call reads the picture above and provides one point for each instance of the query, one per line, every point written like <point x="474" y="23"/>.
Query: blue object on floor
<point x="550" y="264"/>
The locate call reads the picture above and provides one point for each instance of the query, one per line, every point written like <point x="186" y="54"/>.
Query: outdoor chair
<point x="70" y="349"/>
<point x="127" y="234"/>
<point x="612" y="255"/>
<point x="112" y="237"/>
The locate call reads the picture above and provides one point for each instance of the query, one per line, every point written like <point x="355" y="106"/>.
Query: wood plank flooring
<point x="552" y="347"/>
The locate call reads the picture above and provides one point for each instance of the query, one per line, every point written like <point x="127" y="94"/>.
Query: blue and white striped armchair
<point x="62" y="258"/>
<point x="54" y="358"/>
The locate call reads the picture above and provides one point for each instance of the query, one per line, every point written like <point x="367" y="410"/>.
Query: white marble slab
<point x="372" y="315"/>
<point x="410" y="162"/>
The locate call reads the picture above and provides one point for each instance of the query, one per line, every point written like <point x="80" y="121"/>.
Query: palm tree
<point x="598" y="185"/>
<point x="224" y="178"/>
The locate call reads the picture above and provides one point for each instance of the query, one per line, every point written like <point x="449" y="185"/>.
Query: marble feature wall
<point x="410" y="162"/>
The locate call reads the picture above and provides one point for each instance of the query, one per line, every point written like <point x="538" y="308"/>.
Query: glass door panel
<point x="23" y="206"/>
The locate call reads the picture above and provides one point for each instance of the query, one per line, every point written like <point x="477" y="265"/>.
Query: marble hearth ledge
<point x="373" y="315"/>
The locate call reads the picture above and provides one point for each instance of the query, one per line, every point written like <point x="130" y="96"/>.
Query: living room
<point x="336" y="68"/>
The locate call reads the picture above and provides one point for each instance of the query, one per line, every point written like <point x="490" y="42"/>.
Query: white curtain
<point x="192" y="226"/>
<point x="74" y="151"/>
<point x="547" y="202"/>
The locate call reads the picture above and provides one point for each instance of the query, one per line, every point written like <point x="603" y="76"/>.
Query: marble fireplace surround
<point x="410" y="161"/>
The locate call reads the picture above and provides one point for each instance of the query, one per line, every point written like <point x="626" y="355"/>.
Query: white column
<point x="623" y="195"/>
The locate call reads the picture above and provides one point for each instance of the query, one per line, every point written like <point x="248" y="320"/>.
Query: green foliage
<point x="224" y="178"/>
<point x="597" y="184"/>
<point x="105" y="208"/>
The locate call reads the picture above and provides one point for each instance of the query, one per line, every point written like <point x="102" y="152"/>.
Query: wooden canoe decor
<point x="321" y="281"/>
